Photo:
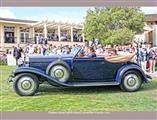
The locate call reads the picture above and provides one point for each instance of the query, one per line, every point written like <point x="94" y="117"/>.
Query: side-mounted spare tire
<point x="59" y="70"/>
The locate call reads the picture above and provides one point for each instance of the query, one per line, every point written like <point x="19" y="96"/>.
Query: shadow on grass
<point x="46" y="89"/>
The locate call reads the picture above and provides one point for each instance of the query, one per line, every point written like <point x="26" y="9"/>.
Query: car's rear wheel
<point x="59" y="70"/>
<point x="131" y="81"/>
<point x="26" y="84"/>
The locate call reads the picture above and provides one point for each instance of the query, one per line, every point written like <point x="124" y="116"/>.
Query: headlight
<point x="20" y="61"/>
<point x="27" y="59"/>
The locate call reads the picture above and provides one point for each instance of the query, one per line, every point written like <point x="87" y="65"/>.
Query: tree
<point x="113" y="25"/>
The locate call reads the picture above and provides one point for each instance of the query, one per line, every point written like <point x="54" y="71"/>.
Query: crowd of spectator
<point x="145" y="54"/>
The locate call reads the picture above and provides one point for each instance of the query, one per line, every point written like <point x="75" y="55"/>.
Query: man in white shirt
<point x="31" y="49"/>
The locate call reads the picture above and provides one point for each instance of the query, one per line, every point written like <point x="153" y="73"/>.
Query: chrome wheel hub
<point x="131" y="81"/>
<point x="59" y="72"/>
<point x="26" y="84"/>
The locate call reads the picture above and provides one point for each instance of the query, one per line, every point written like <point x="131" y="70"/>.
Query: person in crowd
<point x="99" y="50"/>
<point x="81" y="54"/>
<point x="149" y="57"/>
<point x="35" y="51"/>
<point x="54" y="50"/>
<point x="93" y="42"/>
<point x="129" y="48"/>
<point x="143" y="54"/>
<point x="17" y="53"/>
<point x="12" y="50"/>
<point x="91" y="52"/>
<point x="138" y="53"/>
<point x="152" y="60"/>
<point x="155" y="61"/>
<point x="38" y="50"/>
<point x="31" y="49"/>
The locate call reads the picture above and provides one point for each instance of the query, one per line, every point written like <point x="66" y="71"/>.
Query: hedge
<point x="3" y="62"/>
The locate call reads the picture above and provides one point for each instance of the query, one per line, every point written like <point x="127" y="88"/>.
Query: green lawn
<point x="91" y="99"/>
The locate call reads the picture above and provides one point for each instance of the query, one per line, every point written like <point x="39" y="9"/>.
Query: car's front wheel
<point x="26" y="84"/>
<point x="131" y="81"/>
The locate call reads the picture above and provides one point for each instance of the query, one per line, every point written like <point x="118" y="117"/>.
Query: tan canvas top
<point x="125" y="57"/>
<point x="122" y="57"/>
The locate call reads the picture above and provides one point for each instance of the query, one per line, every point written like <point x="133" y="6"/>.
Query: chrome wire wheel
<point x="60" y="72"/>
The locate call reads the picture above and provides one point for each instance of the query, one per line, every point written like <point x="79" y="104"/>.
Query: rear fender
<point x="50" y="80"/>
<point x="127" y="67"/>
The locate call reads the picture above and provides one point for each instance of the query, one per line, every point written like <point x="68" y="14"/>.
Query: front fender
<point x="127" y="67"/>
<point x="28" y="69"/>
<point x="51" y="80"/>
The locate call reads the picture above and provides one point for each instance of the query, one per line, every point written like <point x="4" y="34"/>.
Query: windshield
<point x="74" y="52"/>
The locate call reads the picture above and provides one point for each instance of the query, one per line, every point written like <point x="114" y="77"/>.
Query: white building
<point x="15" y="31"/>
<point x="150" y="30"/>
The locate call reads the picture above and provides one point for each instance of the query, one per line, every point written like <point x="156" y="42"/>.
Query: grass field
<point x="91" y="99"/>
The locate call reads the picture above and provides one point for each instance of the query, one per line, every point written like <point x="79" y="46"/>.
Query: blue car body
<point x="84" y="71"/>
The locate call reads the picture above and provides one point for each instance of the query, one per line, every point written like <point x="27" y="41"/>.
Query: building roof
<point x="151" y="17"/>
<point x="40" y="24"/>
<point x="17" y="20"/>
<point x="54" y="24"/>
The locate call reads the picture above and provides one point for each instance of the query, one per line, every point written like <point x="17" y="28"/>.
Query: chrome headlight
<point x="26" y="59"/>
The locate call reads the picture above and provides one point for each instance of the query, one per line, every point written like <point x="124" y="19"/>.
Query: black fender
<point x="128" y="67"/>
<point x="50" y="80"/>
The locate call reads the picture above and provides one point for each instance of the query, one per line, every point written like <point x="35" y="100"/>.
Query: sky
<point x="64" y="14"/>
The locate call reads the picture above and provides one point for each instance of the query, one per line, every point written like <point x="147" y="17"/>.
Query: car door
<point x="94" y="69"/>
<point x="88" y="69"/>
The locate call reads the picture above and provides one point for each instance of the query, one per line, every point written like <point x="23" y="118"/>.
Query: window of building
<point x="38" y="38"/>
<point x="9" y="33"/>
<point x="27" y="37"/>
<point x="24" y="37"/>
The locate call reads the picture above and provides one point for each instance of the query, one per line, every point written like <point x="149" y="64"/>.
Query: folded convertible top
<point x="121" y="57"/>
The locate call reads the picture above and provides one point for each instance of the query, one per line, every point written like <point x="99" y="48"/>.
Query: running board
<point x="81" y="84"/>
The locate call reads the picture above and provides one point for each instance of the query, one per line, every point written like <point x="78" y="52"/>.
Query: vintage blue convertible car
<point x="74" y="71"/>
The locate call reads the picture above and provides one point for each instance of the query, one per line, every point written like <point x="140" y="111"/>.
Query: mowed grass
<point x="89" y="99"/>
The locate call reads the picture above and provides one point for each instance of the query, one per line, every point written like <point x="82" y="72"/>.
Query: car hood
<point x="48" y="58"/>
